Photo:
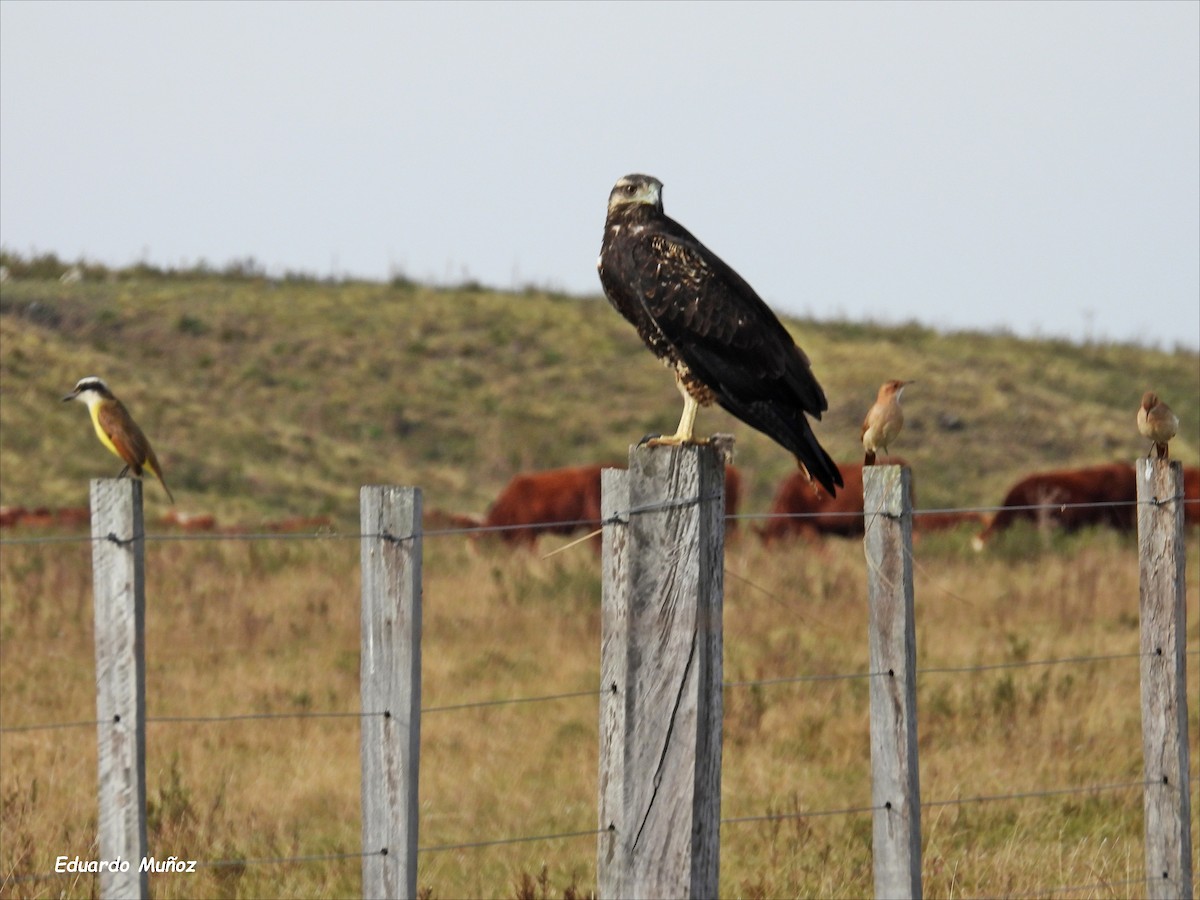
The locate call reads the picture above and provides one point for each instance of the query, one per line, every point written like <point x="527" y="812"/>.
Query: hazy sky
<point x="1031" y="166"/>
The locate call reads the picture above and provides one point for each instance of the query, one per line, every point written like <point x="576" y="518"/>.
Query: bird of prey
<point x="884" y="420"/>
<point x="117" y="430"/>
<point x="1156" y="423"/>
<point x="704" y="321"/>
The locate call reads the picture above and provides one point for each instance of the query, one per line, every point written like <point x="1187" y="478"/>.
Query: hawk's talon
<point x="673" y="440"/>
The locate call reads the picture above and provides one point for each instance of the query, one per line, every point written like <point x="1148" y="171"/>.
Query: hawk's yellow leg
<point x="687" y="422"/>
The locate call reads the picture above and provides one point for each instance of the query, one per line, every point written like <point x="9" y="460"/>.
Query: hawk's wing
<point x="717" y="323"/>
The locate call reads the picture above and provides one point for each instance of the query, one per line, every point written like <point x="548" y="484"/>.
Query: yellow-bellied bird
<point x="705" y="322"/>
<point x="884" y="420"/>
<point x="117" y="430"/>
<point x="1156" y="423"/>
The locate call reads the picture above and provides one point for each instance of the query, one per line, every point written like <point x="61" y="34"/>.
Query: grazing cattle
<point x="733" y="495"/>
<point x="555" y="501"/>
<point x="563" y="501"/>
<point x="803" y="507"/>
<point x="1191" y="493"/>
<point x="1055" y="493"/>
<point x="190" y="521"/>
<point x="73" y="516"/>
<point x="44" y="517"/>
<point x="41" y="517"/>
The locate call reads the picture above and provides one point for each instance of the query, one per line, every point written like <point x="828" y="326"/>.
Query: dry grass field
<point x="240" y="627"/>
<point x="321" y="388"/>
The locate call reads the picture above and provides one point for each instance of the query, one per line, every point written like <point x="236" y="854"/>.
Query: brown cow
<point x="1054" y="493"/>
<point x="563" y="501"/>
<point x="40" y="517"/>
<point x="1191" y="493"/>
<point x="73" y="516"/>
<point x="190" y="521"/>
<point x="804" y="507"/>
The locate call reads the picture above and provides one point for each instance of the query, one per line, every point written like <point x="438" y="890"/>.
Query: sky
<point x="1027" y="167"/>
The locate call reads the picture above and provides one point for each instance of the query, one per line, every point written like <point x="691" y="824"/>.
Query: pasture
<point x="324" y="387"/>
<point x="263" y="627"/>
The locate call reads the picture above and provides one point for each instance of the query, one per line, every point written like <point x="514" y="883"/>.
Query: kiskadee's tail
<point x="157" y="474"/>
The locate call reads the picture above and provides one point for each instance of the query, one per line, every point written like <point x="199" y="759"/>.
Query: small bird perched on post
<point x="884" y="420"/>
<point x="117" y="430"/>
<point x="1156" y="423"/>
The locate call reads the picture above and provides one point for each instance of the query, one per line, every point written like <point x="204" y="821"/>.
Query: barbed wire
<point x="475" y="845"/>
<point x="241" y="717"/>
<point x="594" y="832"/>
<point x="799" y="814"/>
<point x="617" y="518"/>
<point x="48" y="726"/>
<point x="283" y="860"/>
<point x="595" y="692"/>
<point x="479" y="704"/>
<point x="1039" y="794"/>
<point x="930" y="804"/>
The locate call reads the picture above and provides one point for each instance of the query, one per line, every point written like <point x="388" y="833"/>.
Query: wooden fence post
<point x="1163" y="613"/>
<point x="390" y="675"/>
<point x="895" y="781"/>
<point x="118" y="578"/>
<point x="661" y="674"/>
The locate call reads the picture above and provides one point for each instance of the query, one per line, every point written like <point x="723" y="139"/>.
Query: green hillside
<point x="266" y="399"/>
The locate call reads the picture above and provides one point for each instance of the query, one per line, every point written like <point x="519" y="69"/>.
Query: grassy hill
<point x="280" y="398"/>
<point x="274" y="399"/>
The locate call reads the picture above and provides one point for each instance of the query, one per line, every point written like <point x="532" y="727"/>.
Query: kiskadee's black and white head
<point x="90" y="390"/>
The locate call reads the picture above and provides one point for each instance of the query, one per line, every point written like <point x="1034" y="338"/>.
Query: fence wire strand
<point x="567" y="695"/>
<point x="617" y="518"/>
<point x="594" y="832"/>
<point x="497" y="842"/>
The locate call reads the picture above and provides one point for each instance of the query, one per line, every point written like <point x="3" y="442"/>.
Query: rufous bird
<point x="1156" y="423"/>
<point x="884" y="420"/>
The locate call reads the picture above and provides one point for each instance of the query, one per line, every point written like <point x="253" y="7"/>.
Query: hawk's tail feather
<point x="819" y="465"/>
<point x="790" y="428"/>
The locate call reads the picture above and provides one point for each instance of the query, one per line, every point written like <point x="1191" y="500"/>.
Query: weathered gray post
<point x="118" y="578"/>
<point x="1163" y="612"/>
<point x="391" y="687"/>
<point x="895" y="781"/>
<point x="661" y="674"/>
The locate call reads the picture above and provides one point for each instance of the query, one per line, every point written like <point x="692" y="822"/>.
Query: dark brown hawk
<point x="704" y="321"/>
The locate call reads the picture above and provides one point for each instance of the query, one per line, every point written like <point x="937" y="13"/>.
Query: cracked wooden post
<point x="119" y="584"/>
<point x="661" y="674"/>
<point x="1163" y="614"/>
<point x="390" y="673"/>
<point x="895" y="783"/>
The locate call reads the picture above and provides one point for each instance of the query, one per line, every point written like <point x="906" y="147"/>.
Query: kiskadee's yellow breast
<point x="94" y="410"/>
